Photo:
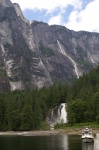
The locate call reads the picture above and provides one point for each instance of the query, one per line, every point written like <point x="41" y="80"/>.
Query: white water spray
<point x="63" y="116"/>
<point x="73" y="62"/>
<point x="58" y="115"/>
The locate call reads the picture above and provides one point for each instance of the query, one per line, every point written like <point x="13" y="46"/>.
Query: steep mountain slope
<point x="20" y="56"/>
<point x="36" y="54"/>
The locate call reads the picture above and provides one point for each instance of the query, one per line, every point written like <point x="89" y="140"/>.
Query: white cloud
<point x="87" y="19"/>
<point x="79" y="19"/>
<point x="55" y="20"/>
<point x="50" y="6"/>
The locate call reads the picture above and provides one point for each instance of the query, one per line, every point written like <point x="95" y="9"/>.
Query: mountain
<point x="33" y="55"/>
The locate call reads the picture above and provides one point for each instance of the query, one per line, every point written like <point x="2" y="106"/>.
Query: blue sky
<point x="74" y="14"/>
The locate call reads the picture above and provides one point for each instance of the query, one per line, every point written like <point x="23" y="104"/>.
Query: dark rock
<point x="33" y="55"/>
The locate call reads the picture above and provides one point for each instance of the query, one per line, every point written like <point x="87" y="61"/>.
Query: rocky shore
<point x="47" y="132"/>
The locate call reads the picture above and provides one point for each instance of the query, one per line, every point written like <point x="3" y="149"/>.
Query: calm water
<point x="53" y="142"/>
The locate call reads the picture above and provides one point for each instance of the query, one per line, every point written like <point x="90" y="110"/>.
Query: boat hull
<point x="88" y="140"/>
<point x="87" y="135"/>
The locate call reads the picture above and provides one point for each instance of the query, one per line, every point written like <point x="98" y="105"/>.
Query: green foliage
<point x="2" y="72"/>
<point x="86" y="89"/>
<point x="76" y="126"/>
<point x="76" y="111"/>
<point x="27" y="110"/>
<point x="44" y="126"/>
<point x="46" y="51"/>
<point x="38" y="117"/>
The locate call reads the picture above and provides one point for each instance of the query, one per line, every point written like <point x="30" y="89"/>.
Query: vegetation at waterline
<point x="83" y="98"/>
<point x="27" y="110"/>
<point x="77" y="126"/>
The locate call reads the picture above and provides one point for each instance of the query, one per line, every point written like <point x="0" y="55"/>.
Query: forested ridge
<point x="27" y="110"/>
<point x="83" y="98"/>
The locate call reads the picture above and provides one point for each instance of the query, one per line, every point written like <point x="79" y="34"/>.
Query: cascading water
<point x="65" y="54"/>
<point x="58" y="115"/>
<point x="63" y="115"/>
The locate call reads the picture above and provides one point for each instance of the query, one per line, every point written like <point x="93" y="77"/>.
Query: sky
<point x="76" y="15"/>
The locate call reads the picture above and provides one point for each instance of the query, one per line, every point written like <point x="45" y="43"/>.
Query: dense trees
<point x="27" y="110"/>
<point x="83" y="99"/>
<point x="76" y="111"/>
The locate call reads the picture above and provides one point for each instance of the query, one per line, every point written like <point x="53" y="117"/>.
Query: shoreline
<point x="46" y="132"/>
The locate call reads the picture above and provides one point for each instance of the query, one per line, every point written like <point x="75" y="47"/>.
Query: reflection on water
<point x="87" y="146"/>
<point x="74" y="142"/>
<point x="91" y="146"/>
<point x="65" y="142"/>
<point x="52" y="142"/>
<point x="57" y="142"/>
<point x="96" y="143"/>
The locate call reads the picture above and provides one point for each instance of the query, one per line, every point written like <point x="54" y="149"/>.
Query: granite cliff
<point x="33" y="55"/>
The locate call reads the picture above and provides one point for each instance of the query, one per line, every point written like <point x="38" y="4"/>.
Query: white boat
<point x="87" y="135"/>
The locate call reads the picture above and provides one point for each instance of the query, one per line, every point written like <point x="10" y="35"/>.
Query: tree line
<point x="83" y="98"/>
<point x="27" y="110"/>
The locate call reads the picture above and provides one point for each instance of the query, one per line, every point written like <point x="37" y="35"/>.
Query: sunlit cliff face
<point x="34" y="55"/>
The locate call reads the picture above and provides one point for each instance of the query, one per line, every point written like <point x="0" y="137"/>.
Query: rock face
<point x="33" y="55"/>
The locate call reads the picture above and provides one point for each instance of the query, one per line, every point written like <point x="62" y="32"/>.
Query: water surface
<point x="52" y="142"/>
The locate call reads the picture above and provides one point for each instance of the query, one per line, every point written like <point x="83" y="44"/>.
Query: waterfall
<point x="58" y="115"/>
<point x="63" y="115"/>
<point x="73" y="62"/>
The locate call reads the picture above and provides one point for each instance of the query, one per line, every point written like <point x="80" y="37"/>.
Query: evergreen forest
<point x="27" y="110"/>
